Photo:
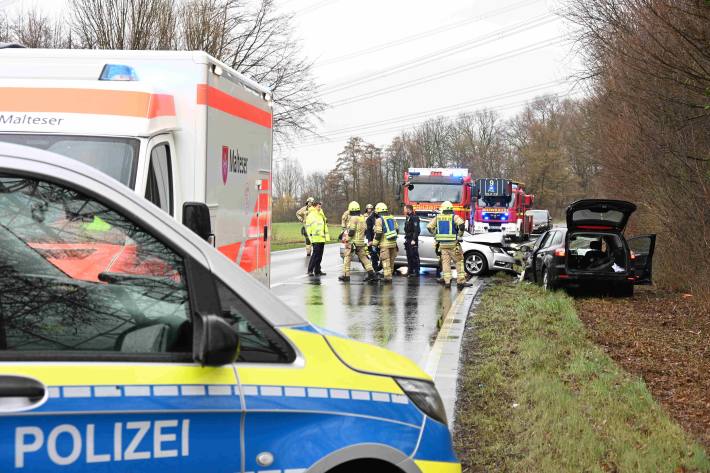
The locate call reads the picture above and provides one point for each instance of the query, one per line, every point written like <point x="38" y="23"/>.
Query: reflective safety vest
<point x="357" y="226"/>
<point x="445" y="230"/>
<point x="389" y="227"/>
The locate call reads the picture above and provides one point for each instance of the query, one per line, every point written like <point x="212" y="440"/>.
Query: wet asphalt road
<point x="402" y="316"/>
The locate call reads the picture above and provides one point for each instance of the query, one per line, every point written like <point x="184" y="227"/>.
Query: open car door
<point x="642" y="248"/>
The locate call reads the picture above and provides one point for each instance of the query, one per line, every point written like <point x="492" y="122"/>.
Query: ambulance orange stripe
<point x="215" y="98"/>
<point x="90" y="101"/>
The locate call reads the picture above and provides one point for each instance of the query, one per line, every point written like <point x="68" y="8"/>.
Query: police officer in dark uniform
<point x="370" y="236"/>
<point x="411" y="241"/>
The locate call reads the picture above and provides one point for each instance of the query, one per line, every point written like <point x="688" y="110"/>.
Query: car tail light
<point x="560" y="252"/>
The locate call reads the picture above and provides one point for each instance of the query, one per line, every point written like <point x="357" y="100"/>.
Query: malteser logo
<point x="233" y="162"/>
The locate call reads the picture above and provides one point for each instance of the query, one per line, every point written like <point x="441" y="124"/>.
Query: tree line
<point x="540" y="146"/>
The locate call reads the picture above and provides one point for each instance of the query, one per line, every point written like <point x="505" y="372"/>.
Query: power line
<point x="424" y="34"/>
<point x="404" y="127"/>
<point x="449" y="72"/>
<point x="447" y="108"/>
<point x="446" y="52"/>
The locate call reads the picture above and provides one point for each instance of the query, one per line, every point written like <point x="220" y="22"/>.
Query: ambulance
<point x="172" y="359"/>
<point x="176" y="127"/>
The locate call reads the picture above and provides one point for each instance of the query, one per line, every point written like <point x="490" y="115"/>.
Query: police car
<point x="128" y="344"/>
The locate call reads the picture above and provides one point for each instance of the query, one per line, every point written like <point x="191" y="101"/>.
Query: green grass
<point x="287" y="235"/>
<point x="538" y="395"/>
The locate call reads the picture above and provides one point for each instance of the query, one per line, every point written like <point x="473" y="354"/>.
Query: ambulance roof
<point x="87" y="63"/>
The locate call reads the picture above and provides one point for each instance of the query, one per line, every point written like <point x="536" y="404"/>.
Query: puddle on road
<point x="403" y="316"/>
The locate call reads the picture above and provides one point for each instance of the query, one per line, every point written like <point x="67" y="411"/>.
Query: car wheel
<point x="475" y="264"/>
<point x="548" y="283"/>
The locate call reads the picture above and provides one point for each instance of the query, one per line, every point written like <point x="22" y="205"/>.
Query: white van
<point x="180" y="128"/>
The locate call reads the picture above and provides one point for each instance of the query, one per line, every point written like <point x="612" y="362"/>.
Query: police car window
<point x="258" y="341"/>
<point x="78" y="277"/>
<point x="159" y="187"/>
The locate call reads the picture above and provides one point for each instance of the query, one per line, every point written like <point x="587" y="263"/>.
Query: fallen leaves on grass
<point x="665" y="339"/>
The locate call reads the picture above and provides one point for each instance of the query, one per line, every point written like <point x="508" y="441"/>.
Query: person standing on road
<point x="317" y="229"/>
<point x="301" y="215"/>
<point x="370" y="237"/>
<point x="386" y="239"/>
<point x="447" y="228"/>
<point x="411" y="241"/>
<point x="354" y="240"/>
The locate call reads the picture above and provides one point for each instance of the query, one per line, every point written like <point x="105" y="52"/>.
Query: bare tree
<point x="5" y="31"/>
<point x="288" y="179"/>
<point x="34" y="29"/>
<point x="124" y="24"/>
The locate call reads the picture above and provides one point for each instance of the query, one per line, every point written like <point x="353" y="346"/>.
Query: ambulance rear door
<point x="238" y="170"/>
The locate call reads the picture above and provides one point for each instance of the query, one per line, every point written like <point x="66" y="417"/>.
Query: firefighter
<point x="317" y="230"/>
<point x="385" y="239"/>
<point x="447" y="228"/>
<point x="370" y="237"/>
<point x="354" y="240"/>
<point x="301" y="215"/>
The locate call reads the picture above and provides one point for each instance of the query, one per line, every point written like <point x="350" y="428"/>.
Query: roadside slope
<point x="538" y="395"/>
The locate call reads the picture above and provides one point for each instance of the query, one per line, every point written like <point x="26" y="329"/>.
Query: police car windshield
<point x="435" y="192"/>
<point x="117" y="157"/>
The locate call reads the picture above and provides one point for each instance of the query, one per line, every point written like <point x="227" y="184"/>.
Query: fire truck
<point x="179" y="128"/>
<point x="500" y="205"/>
<point x="426" y="189"/>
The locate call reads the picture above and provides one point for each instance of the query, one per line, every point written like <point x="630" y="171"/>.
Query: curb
<point x="443" y="360"/>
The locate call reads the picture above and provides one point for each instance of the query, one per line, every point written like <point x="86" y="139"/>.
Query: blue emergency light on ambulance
<point x="118" y="72"/>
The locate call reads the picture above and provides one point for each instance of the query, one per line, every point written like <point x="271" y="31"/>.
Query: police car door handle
<point x="16" y="391"/>
<point x="19" y="386"/>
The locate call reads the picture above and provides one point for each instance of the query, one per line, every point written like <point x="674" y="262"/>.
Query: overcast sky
<point x="387" y="65"/>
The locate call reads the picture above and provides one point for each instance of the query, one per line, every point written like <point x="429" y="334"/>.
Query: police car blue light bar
<point x="118" y="72"/>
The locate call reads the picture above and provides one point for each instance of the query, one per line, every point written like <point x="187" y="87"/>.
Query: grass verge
<point x="537" y="395"/>
<point x="287" y="235"/>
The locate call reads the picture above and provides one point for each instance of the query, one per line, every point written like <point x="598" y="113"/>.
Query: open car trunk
<point x="596" y="253"/>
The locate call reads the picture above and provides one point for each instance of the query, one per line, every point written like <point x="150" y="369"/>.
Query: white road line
<point x="434" y="356"/>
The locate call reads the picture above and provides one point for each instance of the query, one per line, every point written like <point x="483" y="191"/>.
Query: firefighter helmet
<point x="353" y="207"/>
<point x="447" y="206"/>
<point x="310" y="201"/>
<point x="369" y="206"/>
<point x="380" y="207"/>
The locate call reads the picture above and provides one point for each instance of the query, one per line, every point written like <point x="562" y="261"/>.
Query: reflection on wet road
<point x="402" y="316"/>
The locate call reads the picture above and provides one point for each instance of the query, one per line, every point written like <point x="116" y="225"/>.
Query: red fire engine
<point x="426" y="189"/>
<point x="500" y="205"/>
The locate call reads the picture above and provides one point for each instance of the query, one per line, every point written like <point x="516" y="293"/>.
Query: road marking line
<point x="434" y="355"/>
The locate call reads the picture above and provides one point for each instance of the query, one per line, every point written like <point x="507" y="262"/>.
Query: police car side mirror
<point x="215" y="342"/>
<point x="196" y="217"/>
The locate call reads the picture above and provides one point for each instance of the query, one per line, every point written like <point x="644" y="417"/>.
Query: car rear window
<point x="612" y="216"/>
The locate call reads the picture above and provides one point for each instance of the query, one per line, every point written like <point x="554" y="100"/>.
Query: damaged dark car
<point x="592" y="252"/>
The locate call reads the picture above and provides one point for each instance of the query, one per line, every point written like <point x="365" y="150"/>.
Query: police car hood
<point x="372" y="359"/>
